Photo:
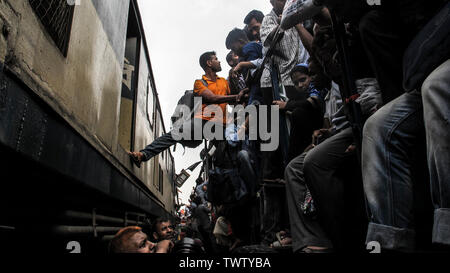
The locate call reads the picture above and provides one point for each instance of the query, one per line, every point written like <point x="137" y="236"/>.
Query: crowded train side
<point x="77" y="92"/>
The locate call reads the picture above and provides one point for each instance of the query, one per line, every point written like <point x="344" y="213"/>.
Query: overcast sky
<point x="178" y="32"/>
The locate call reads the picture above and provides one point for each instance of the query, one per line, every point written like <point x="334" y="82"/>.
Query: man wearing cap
<point x="307" y="110"/>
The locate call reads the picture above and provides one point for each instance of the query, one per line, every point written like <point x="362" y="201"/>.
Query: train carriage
<point x="76" y="92"/>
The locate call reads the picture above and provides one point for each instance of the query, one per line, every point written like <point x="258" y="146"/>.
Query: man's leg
<point x="157" y="146"/>
<point x="436" y="108"/>
<point x="164" y="142"/>
<point x="321" y="168"/>
<point x="305" y="231"/>
<point x="247" y="172"/>
<point x="390" y="137"/>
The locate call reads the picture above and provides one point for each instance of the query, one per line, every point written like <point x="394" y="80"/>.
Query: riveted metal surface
<point x="10" y="113"/>
<point x="31" y="128"/>
<point x="3" y="90"/>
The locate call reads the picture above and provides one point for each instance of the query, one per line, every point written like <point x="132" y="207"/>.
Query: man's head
<point x="163" y="229"/>
<point x="253" y="22"/>
<point x="301" y="77"/>
<point x="209" y="61"/>
<point x="278" y="6"/>
<point x="232" y="60"/>
<point x="236" y="40"/>
<point x="131" y="240"/>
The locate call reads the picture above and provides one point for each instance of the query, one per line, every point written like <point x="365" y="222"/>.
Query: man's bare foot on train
<point x="136" y="158"/>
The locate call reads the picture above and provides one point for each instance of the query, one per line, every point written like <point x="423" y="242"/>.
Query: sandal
<point x="283" y="241"/>
<point x="315" y="251"/>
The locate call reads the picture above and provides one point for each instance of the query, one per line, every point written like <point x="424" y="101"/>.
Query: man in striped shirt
<point x="289" y="51"/>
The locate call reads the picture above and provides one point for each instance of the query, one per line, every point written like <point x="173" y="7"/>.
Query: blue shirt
<point x="252" y="51"/>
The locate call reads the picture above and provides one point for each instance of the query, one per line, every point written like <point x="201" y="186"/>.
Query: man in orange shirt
<point x="214" y="92"/>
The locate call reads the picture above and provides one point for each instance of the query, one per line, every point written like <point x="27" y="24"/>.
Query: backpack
<point x="187" y="99"/>
<point x="178" y="119"/>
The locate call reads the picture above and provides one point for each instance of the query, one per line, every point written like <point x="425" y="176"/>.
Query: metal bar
<point x="70" y="230"/>
<point x="94" y="223"/>
<point x="283" y="130"/>
<point x="107" y="238"/>
<point x="7" y="227"/>
<point x="98" y="217"/>
<point x="349" y="85"/>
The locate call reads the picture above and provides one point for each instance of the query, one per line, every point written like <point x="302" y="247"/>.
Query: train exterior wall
<point x="84" y="87"/>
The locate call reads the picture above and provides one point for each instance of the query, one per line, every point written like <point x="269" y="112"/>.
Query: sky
<point x="178" y="32"/>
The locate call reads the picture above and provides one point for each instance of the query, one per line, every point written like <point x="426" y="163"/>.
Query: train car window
<point x="56" y="16"/>
<point x="150" y="103"/>
<point x="129" y="81"/>
<point x="161" y="180"/>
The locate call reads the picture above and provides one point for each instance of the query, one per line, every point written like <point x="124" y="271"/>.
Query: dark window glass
<point x="56" y="16"/>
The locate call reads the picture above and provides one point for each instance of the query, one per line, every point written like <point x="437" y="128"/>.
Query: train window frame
<point x="150" y="117"/>
<point x="60" y="37"/>
<point x="133" y="32"/>
<point x="161" y="180"/>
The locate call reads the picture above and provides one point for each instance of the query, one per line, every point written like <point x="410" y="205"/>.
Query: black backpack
<point x="188" y="100"/>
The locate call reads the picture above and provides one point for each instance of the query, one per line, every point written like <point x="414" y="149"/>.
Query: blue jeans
<point x="436" y="107"/>
<point x="388" y="137"/>
<point x="164" y="142"/>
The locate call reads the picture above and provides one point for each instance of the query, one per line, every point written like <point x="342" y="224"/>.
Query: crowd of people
<point x="363" y="97"/>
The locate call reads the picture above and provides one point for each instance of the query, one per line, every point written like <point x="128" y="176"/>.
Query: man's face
<point x="214" y="63"/>
<point x="237" y="47"/>
<point x="234" y="60"/>
<point x="301" y="81"/>
<point x="254" y="27"/>
<point x="164" y="231"/>
<point x="138" y="243"/>
<point x="278" y="6"/>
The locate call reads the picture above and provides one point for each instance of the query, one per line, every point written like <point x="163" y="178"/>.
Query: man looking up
<point x="163" y="229"/>
<point x="132" y="240"/>
<point x="213" y="90"/>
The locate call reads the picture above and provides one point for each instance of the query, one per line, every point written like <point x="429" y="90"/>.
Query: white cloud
<point x="178" y="32"/>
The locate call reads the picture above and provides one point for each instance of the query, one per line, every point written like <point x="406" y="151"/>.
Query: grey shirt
<point x="202" y="215"/>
